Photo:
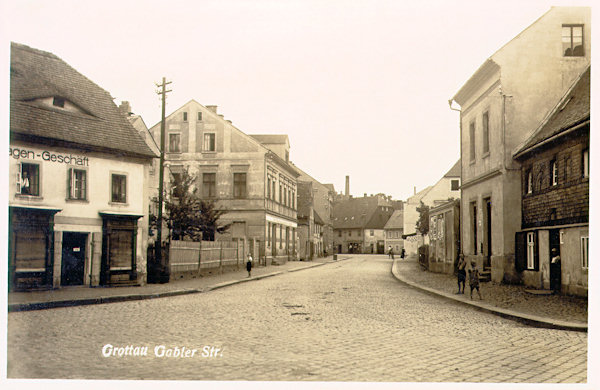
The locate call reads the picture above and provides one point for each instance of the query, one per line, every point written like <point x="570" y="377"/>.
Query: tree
<point x="186" y="215"/>
<point x="423" y="221"/>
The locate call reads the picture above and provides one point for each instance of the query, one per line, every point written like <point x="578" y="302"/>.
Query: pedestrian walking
<point x="249" y="265"/>
<point x="402" y="253"/>
<point x="391" y="253"/>
<point x="462" y="273"/>
<point x="474" y="279"/>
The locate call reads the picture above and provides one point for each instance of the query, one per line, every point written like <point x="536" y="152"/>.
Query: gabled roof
<point x="419" y="195"/>
<point x="454" y="171"/>
<point x="96" y="122"/>
<point x="379" y="218"/>
<point x="572" y="110"/>
<point x="273" y="139"/>
<point x="318" y="219"/>
<point x="353" y="213"/>
<point x="396" y="221"/>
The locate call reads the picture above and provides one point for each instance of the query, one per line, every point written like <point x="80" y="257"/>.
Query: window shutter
<point x="536" y="252"/>
<point x="520" y="251"/>
<point x="70" y="183"/>
<point x="18" y="179"/>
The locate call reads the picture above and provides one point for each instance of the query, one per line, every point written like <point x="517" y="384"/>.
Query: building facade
<point x="78" y="204"/>
<point x="254" y="184"/>
<point x="444" y="236"/>
<point x="500" y="106"/>
<point x="555" y="197"/>
<point x="394" y="229"/>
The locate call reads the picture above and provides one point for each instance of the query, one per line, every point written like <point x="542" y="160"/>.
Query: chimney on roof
<point x="125" y="108"/>
<point x="212" y="108"/>
<point x="347" y="185"/>
<point x="415" y="190"/>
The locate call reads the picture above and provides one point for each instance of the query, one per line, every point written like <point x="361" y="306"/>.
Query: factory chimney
<point x="347" y="185"/>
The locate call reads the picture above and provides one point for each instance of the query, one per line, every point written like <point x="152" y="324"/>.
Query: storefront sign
<point x="46" y="155"/>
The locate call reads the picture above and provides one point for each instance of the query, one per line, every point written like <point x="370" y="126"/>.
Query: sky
<point x="360" y="87"/>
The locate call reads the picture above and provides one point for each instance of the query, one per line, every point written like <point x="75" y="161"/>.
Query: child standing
<point x="462" y="274"/>
<point x="474" y="279"/>
<point x="249" y="265"/>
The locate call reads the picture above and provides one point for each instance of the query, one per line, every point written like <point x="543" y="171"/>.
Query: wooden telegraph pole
<point x="163" y="266"/>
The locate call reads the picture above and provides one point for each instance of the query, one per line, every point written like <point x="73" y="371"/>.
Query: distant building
<point x="448" y="187"/>
<point x="78" y="200"/>
<point x="444" y="236"/>
<point x="502" y="103"/>
<point x="555" y="177"/>
<point x="394" y="228"/>
<point x="255" y="184"/>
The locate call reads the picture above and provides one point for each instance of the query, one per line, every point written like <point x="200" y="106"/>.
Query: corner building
<point x="78" y="207"/>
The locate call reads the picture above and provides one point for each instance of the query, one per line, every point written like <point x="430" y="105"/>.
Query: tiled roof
<point x="353" y="213"/>
<point x="454" y="171"/>
<point x="318" y="219"/>
<point x="270" y="138"/>
<point x="573" y="109"/>
<point x="99" y="124"/>
<point x="379" y="218"/>
<point x="396" y="221"/>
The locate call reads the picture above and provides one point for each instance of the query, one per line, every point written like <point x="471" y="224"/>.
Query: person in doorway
<point x="249" y="265"/>
<point x="474" y="279"/>
<point x="555" y="270"/>
<point x="462" y="273"/>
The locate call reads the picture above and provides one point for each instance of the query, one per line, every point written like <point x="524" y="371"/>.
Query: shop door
<point x="73" y="259"/>
<point x="555" y="268"/>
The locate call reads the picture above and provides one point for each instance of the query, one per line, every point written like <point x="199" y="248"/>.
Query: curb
<point x="528" y="319"/>
<point x="15" y="307"/>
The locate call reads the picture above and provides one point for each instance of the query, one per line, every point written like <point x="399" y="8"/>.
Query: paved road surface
<point x="346" y="321"/>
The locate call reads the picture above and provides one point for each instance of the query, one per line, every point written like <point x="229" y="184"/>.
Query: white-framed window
<point x="28" y="179"/>
<point x="529" y="182"/>
<point x="553" y="172"/>
<point x="572" y="40"/>
<point x="77" y="184"/>
<point x="209" y="185"/>
<point x="585" y="244"/>
<point x="174" y="142"/>
<point x="209" y="142"/>
<point x="239" y="185"/>
<point x="585" y="161"/>
<point x="531" y="250"/>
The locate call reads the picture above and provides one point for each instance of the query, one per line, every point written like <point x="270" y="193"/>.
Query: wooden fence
<point x="186" y="256"/>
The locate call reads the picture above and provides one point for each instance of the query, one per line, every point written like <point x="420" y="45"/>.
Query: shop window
<point x="531" y="250"/>
<point x="119" y="188"/>
<point x="120" y="250"/>
<point x="572" y="40"/>
<point x="28" y="179"/>
<point x="174" y="143"/>
<point x="585" y="244"/>
<point x="209" y="142"/>
<point x="77" y="184"/>
<point x="239" y="185"/>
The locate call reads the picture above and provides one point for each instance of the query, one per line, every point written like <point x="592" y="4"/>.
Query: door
<point x="488" y="233"/>
<point x="73" y="259"/>
<point x="555" y="267"/>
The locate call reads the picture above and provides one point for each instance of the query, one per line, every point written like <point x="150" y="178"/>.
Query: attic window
<point x="58" y="102"/>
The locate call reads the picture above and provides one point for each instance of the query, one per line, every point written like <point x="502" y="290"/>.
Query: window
<point x="239" y="185"/>
<point x="119" y="188"/>
<point x="280" y="197"/>
<point x="58" y="102"/>
<point x="472" y="141"/>
<point x="531" y="250"/>
<point x="585" y="243"/>
<point x="474" y="226"/>
<point x="174" y="143"/>
<point x="585" y="160"/>
<point x="372" y="233"/>
<point x="359" y="233"/>
<point x="293" y="199"/>
<point x="209" y="142"/>
<point x="269" y="234"/>
<point x="28" y="179"/>
<point x="486" y="132"/>
<point x="199" y="115"/>
<point x="209" y="185"/>
<point x="77" y="184"/>
<point x="185" y="116"/>
<point x="280" y="236"/>
<point x="349" y="233"/>
<point x="529" y="182"/>
<point x="454" y="185"/>
<point x="273" y="192"/>
<point x="553" y="173"/>
<point x="268" y="188"/>
<point x="572" y="40"/>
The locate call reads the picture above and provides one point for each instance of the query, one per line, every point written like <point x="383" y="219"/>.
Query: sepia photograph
<point x="318" y="194"/>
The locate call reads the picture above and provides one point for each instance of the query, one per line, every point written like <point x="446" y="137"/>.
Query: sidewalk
<point x="83" y="295"/>
<point x="548" y="311"/>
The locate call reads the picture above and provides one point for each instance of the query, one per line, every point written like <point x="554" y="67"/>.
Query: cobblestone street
<point x="345" y="321"/>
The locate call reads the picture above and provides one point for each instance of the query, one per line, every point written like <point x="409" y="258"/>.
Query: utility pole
<point x="159" y="260"/>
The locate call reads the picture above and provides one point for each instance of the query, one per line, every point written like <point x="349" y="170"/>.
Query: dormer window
<point x="58" y="102"/>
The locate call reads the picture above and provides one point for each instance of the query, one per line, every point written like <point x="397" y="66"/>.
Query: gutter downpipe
<point x="461" y="172"/>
